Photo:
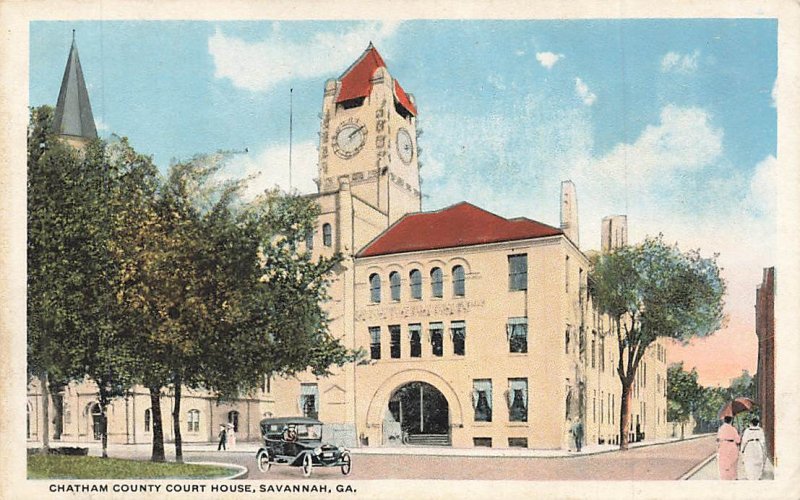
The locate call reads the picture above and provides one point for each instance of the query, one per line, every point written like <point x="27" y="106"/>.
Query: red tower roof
<point x="462" y="224"/>
<point x="357" y="80"/>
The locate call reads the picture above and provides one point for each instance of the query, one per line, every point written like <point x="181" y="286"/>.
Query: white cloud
<point x="548" y="59"/>
<point x="269" y="167"/>
<point x="583" y="92"/>
<point x="764" y="186"/>
<point x="259" y="66"/>
<point x="680" y="63"/>
<point x="497" y="82"/>
<point x="101" y="125"/>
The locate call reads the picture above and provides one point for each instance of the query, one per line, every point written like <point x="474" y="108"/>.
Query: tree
<point x="654" y="290"/>
<point x="684" y="394"/>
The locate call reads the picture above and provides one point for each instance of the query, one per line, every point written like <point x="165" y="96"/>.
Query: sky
<point x="672" y="122"/>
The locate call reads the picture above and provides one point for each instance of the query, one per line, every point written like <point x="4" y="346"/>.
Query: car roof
<point x="290" y="420"/>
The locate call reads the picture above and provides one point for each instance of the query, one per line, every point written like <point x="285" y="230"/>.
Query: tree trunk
<point x="624" y="415"/>
<point x="58" y="408"/>
<point x="176" y="420"/>
<point x="45" y="413"/>
<point x="158" y="433"/>
<point x="104" y="419"/>
<point x="682" y="426"/>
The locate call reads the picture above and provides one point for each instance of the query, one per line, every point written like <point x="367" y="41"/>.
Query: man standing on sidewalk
<point x="727" y="450"/>
<point x="223" y="437"/>
<point x="577" y="433"/>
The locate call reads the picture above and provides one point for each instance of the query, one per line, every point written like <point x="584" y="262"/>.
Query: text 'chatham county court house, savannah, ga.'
<point x="479" y="330"/>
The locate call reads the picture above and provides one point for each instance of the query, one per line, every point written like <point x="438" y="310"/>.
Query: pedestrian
<point x="727" y="450"/>
<point x="753" y="451"/>
<point x="576" y="430"/>
<point x="223" y="438"/>
<point x="230" y="436"/>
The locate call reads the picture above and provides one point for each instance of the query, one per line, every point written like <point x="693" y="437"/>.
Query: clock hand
<point x="354" y="132"/>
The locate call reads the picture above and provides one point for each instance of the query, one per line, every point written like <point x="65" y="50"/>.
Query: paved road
<point x="661" y="462"/>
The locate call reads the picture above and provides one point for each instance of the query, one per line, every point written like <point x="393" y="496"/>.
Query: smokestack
<point x="613" y="232"/>
<point x="569" y="212"/>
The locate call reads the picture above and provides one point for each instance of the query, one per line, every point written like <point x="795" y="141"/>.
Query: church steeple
<point x="73" y="117"/>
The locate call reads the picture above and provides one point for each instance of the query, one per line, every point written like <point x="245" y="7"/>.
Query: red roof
<point x="357" y="80"/>
<point x="462" y="224"/>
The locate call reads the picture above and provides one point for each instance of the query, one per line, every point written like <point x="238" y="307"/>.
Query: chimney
<point x="614" y="232"/>
<point x="569" y="212"/>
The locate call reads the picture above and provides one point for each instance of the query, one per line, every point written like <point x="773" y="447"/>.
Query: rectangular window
<point x="602" y="407"/>
<point x="458" y="332"/>
<point x="613" y="406"/>
<point x="566" y="340"/>
<point x="566" y="274"/>
<point x="482" y="442"/>
<point x="482" y="400"/>
<point x="193" y="420"/>
<point x="437" y="334"/>
<point x="594" y="348"/>
<point x="375" y="342"/>
<point x="518" y="399"/>
<point x="309" y="400"/>
<point x="602" y="353"/>
<point x="415" y="336"/>
<point x="394" y="339"/>
<point x="517" y="332"/>
<point x="518" y="272"/>
<point x="517" y="442"/>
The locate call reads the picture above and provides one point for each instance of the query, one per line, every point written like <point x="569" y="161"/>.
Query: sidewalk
<point x="710" y="471"/>
<point x="251" y="447"/>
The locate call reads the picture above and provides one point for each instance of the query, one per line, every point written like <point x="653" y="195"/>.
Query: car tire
<point x="307" y="464"/>
<point x="262" y="461"/>
<point x="347" y="463"/>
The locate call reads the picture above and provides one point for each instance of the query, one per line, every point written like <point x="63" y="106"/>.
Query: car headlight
<point x="318" y="451"/>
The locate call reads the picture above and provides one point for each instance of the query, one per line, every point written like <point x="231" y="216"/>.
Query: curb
<point x="241" y="474"/>
<point x="697" y="467"/>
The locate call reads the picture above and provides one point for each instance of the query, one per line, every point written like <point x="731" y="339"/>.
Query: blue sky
<point x="670" y="121"/>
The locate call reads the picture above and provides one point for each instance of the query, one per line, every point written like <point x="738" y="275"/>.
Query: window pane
<point x="437" y="331"/>
<point x="394" y="337"/>
<point x="415" y="334"/>
<point x="327" y="238"/>
<point x="310" y="239"/>
<point x="518" y="272"/>
<point x="416" y="284"/>
<point x="518" y="399"/>
<point x="375" y="288"/>
<point x="375" y="342"/>
<point x="394" y="285"/>
<point x="458" y="332"/>
<point x="482" y="400"/>
<point x="458" y="281"/>
<point x="517" y="330"/>
<point x="436" y="282"/>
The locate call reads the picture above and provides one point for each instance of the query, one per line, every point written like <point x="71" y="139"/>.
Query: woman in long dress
<point x="727" y="450"/>
<point x="753" y="450"/>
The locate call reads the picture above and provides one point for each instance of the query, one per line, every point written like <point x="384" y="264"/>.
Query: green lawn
<point x="70" y="467"/>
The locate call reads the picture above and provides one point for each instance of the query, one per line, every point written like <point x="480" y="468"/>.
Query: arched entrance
<point x="97" y="426"/>
<point x="417" y="413"/>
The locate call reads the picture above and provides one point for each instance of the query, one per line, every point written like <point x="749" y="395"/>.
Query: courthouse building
<point x="478" y="330"/>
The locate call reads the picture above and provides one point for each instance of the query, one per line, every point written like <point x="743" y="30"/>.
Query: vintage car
<point x="297" y="441"/>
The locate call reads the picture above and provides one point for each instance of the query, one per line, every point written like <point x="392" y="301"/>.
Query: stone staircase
<point x="429" y="440"/>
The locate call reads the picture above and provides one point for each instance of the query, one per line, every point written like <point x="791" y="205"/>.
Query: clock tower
<point x="368" y="138"/>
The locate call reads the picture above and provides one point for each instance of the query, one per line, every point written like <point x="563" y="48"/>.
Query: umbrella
<point x="736" y="406"/>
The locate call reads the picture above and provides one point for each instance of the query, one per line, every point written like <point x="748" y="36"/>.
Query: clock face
<point x="405" y="147"/>
<point x="349" y="139"/>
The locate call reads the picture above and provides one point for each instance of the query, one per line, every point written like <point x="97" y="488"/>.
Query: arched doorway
<point x="97" y="426"/>
<point x="420" y="414"/>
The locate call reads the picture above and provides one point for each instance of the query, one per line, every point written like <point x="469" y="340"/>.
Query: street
<point x="660" y="462"/>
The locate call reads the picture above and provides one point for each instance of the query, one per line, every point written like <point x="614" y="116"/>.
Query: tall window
<point x="594" y="350"/>
<point x="415" y="336"/>
<point x="482" y="400"/>
<point x="566" y="340"/>
<point x="375" y="342"/>
<point x="416" y="284"/>
<point x="518" y="399"/>
<point x="458" y="333"/>
<point x="437" y="332"/>
<point x="233" y="418"/>
<point x="566" y="273"/>
<point x="309" y="400"/>
<point x="394" y="285"/>
<point x="193" y="420"/>
<point x="436" y="282"/>
<point x="327" y="238"/>
<point x="310" y="239"/>
<point x="517" y="331"/>
<point x="518" y="272"/>
<point x="375" y="288"/>
<point x="458" y="281"/>
<point x="148" y="417"/>
<point x="602" y="353"/>
<point x="394" y="341"/>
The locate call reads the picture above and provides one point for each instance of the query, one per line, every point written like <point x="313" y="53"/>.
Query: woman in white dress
<point x="231" y="435"/>
<point x="753" y="451"/>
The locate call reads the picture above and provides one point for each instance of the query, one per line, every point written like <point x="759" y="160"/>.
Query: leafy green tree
<point x="654" y="290"/>
<point x="684" y="394"/>
<point x="713" y="398"/>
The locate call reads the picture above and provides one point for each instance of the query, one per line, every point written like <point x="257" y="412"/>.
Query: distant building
<point x="479" y="330"/>
<point x="613" y="232"/>
<point x="765" y="376"/>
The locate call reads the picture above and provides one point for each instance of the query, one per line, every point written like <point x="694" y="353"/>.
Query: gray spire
<point x="73" y="115"/>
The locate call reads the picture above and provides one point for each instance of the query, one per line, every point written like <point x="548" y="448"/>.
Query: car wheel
<point x="346" y="463"/>
<point x="307" y="464"/>
<point x="263" y="462"/>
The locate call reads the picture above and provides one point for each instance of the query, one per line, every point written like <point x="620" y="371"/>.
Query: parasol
<point x="736" y="406"/>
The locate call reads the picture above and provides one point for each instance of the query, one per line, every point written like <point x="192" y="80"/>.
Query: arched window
<point x="436" y="282"/>
<point x="375" y="288"/>
<point x="193" y="419"/>
<point x="310" y="240"/>
<point x="327" y="239"/>
<point x="394" y="285"/>
<point x="458" y="281"/>
<point x="416" y="284"/>
<point x="148" y="416"/>
<point x="233" y="418"/>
